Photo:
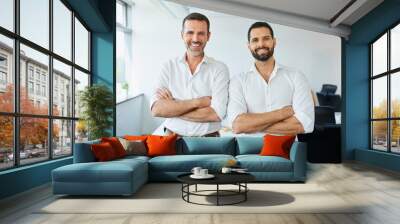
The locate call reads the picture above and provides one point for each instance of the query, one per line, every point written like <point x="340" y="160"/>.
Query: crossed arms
<point x="289" y="120"/>
<point x="197" y="109"/>
<point x="281" y="121"/>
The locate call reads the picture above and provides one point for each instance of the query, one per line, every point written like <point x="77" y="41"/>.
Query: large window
<point x="385" y="91"/>
<point x="44" y="64"/>
<point x="124" y="46"/>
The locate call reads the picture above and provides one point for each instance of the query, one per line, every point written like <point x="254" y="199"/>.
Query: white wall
<point x="129" y="116"/>
<point x="156" y="38"/>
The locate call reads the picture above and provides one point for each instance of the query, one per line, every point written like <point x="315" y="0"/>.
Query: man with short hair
<point x="270" y="98"/>
<point x="192" y="93"/>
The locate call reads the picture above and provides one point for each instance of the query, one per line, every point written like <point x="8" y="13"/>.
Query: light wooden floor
<point x="354" y="182"/>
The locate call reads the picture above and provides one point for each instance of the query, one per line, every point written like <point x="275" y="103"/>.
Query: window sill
<point x="26" y="167"/>
<point x="381" y="159"/>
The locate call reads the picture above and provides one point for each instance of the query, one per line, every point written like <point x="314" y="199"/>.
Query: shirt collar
<point x="273" y="73"/>
<point x="205" y="59"/>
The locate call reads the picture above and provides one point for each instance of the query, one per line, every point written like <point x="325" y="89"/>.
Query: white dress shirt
<point x="250" y="93"/>
<point x="211" y="78"/>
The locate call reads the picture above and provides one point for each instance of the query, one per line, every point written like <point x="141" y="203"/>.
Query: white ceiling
<point x="314" y="15"/>
<point x="320" y="9"/>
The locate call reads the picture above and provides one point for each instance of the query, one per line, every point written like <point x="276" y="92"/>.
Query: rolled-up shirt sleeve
<point x="219" y="97"/>
<point x="162" y="82"/>
<point x="237" y="102"/>
<point x="303" y="104"/>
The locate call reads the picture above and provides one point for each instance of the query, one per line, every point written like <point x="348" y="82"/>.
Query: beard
<point x="263" y="56"/>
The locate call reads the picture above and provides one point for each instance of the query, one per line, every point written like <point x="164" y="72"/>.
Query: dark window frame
<point x="388" y="74"/>
<point x="16" y="114"/>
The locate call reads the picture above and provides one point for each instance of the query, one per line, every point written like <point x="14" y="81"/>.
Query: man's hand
<point x="204" y="101"/>
<point x="289" y="126"/>
<point x="164" y="93"/>
<point x="286" y="112"/>
<point x="166" y="106"/>
<point x="256" y="122"/>
<point x="205" y="114"/>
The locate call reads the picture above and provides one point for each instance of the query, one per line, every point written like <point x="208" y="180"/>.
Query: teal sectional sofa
<point x="125" y="176"/>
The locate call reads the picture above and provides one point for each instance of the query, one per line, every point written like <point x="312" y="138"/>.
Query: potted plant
<point x="97" y="104"/>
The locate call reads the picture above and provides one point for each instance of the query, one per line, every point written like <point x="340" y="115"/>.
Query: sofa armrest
<point x="83" y="152"/>
<point x="298" y="155"/>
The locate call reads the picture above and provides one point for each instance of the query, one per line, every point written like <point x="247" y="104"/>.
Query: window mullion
<point x="389" y="88"/>
<point x="389" y="105"/>
<point x="371" y="99"/>
<point x="16" y="83"/>
<point x="73" y="81"/>
<point x="50" y="81"/>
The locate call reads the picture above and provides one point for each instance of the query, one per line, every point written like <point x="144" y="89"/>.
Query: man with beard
<point x="192" y="93"/>
<point x="270" y="98"/>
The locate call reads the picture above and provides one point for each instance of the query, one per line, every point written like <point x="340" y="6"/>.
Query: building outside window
<point x="55" y="97"/>
<point x="3" y="61"/>
<point x="3" y="78"/>
<point x="43" y="90"/>
<point x="30" y="72"/>
<point x="38" y="89"/>
<point x="385" y="91"/>
<point x="56" y="135"/>
<point x="3" y="72"/>
<point x="30" y="87"/>
<point x="37" y="74"/>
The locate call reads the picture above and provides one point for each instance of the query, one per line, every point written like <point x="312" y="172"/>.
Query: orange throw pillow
<point x="103" y="151"/>
<point x="135" y="137"/>
<point x="161" y="145"/>
<point x="277" y="146"/>
<point x="116" y="145"/>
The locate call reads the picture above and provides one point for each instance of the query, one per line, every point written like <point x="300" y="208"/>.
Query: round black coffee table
<point x="238" y="179"/>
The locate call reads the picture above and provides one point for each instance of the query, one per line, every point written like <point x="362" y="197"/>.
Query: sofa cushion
<point x="133" y="158"/>
<point x="112" y="171"/>
<point x="161" y="145"/>
<point x="277" y="145"/>
<point x="206" y="145"/>
<point x="135" y="147"/>
<point x="103" y="151"/>
<point x="116" y="145"/>
<point x="257" y="163"/>
<point x="249" y="145"/>
<point x="185" y="163"/>
<point x="135" y="137"/>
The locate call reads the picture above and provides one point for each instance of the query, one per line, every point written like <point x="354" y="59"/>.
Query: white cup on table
<point x="203" y="172"/>
<point x="196" y="171"/>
